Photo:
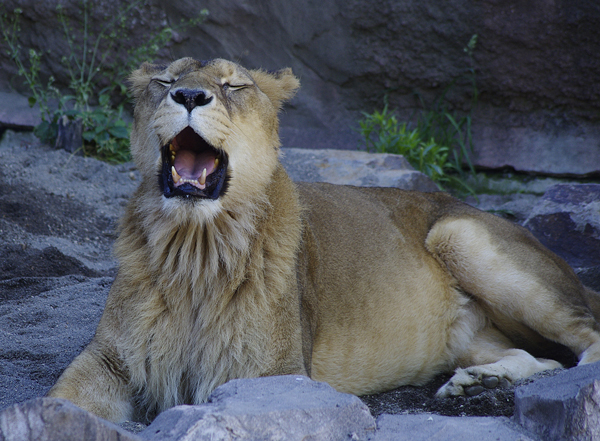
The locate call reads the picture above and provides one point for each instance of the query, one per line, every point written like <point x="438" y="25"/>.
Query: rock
<point x="15" y="112"/>
<point x="354" y="168"/>
<point x="566" y="406"/>
<point x="349" y="55"/>
<point x="132" y="426"/>
<point x="51" y="419"/>
<point x="501" y="143"/>
<point x="270" y="408"/>
<point x="429" y="427"/>
<point x="567" y="221"/>
<point x="507" y="195"/>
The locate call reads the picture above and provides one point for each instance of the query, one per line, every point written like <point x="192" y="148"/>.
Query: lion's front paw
<point x="471" y="381"/>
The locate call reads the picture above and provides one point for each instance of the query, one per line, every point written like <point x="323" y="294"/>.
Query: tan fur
<point x="365" y="288"/>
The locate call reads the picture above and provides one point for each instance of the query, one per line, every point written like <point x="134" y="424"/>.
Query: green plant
<point x="105" y="133"/>
<point x="437" y="143"/>
<point x="97" y="90"/>
<point x="40" y="94"/>
<point x="383" y="133"/>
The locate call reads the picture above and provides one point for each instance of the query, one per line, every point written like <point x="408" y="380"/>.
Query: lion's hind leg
<point x="523" y="289"/>
<point x="492" y="362"/>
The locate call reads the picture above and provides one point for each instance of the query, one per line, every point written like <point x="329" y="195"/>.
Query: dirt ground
<point x="421" y="399"/>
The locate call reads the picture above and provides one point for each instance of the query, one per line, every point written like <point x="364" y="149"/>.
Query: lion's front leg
<point x="492" y="362"/>
<point x="515" y="365"/>
<point x="97" y="382"/>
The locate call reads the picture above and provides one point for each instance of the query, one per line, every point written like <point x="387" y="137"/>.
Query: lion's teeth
<point x="176" y="177"/>
<point x="202" y="179"/>
<point x="216" y="162"/>
<point x="172" y="151"/>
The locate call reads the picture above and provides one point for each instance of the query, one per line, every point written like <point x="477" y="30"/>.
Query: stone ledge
<point x="15" y="112"/>
<point x="359" y="168"/>
<point x="568" y="151"/>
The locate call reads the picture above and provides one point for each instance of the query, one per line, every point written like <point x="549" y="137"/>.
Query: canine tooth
<point x="176" y="177"/>
<point x="202" y="179"/>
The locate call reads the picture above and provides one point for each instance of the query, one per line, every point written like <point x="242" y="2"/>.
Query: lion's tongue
<point x="190" y="165"/>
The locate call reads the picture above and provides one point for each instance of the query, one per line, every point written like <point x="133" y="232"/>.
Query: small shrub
<point x="383" y="133"/>
<point x="105" y="133"/>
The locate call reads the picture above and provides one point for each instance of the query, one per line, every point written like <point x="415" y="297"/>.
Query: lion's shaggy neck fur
<point x="190" y="251"/>
<point x="199" y="280"/>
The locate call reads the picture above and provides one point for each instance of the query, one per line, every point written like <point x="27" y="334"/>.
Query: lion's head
<point x="208" y="129"/>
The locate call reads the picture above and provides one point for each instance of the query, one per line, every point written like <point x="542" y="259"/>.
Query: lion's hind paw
<point x="470" y="382"/>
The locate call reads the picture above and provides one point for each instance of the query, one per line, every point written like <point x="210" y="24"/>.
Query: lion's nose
<point x="191" y="98"/>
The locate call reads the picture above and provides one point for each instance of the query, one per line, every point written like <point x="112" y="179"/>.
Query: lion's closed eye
<point x="167" y="82"/>
<point x="234" y="86"/>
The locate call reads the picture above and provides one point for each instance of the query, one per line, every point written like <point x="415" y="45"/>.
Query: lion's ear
<point x="279" y="86"/>
<point x="139" y="78"/>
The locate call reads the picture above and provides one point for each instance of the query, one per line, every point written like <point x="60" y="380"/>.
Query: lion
<point x="228" y="269"/>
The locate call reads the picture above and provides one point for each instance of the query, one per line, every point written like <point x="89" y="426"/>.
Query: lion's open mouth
<point x="192" y="167"/>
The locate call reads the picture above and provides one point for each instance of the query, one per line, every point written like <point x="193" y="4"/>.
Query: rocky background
<point x="536" y="64"/>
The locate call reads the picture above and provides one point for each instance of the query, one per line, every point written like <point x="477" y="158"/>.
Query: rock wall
<point x="536" y="64"/>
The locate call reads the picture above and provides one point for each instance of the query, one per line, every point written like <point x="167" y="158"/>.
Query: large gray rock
<point x="567" y="220"/>
<point x="536" y="64"/>
<point x="566" y="406"/>
<point x="354" y="168"/>
<point x="270" y="408"/>
<point x="15" y="112"/>
<point x="51" y="419"/>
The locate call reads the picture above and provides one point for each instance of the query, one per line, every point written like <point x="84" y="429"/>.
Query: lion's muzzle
<point x="192" y="167"/>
